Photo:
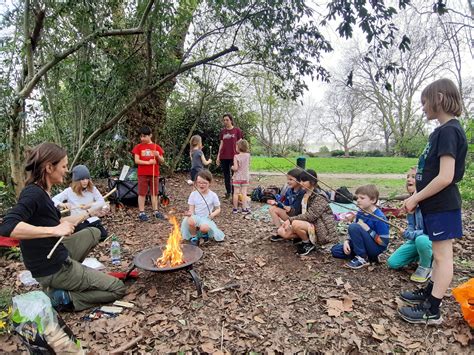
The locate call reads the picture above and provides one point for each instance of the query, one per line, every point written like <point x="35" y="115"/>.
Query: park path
<point x="337" y="176"/>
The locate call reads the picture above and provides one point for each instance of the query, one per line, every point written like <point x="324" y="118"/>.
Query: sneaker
<point x="203" y="236"/>
<point x="61" y="300"/>
<point x="276" y="238"/>
<point x="158" y="215"/>
<point x="297" y="241"/>
<point x="245" y="210"/>
<point x="414" y="297"/>
<point x="142" y="217"/>
<point x="420" y="313"/>
<point x="235" y="210"/>
<point x="357" y="263"/>
<point x="194" y="241"/>
<point x="422" y="274"/>
<point x="305" y="249"/>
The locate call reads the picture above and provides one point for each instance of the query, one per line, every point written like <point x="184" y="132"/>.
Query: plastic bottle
<point x="115" y="250"/>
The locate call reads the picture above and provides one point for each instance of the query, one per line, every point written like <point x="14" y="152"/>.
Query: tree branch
<point x="28" y="44"/>
<point x="141" y="96"/>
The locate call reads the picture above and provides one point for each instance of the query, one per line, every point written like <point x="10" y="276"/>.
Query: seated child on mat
<point x="81" y="196"/>
<point x="204" y="205"/>
<point x="368" y="236"/>
<point x="316" y="223"/>
<point x="417" y="247"/>
<point x="291" y="206"/>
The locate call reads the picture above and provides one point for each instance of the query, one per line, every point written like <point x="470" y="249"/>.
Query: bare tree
<point x="343" y="118"/>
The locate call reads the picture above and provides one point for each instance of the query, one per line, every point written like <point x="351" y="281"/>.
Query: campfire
<point x="172" y="254"/>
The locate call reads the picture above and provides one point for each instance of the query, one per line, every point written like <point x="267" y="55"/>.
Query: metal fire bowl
<point x="143" y="260"/>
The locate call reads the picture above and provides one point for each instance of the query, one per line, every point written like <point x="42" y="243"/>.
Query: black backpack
<point x="343" y="195"/>
<point x="257" y="194"/>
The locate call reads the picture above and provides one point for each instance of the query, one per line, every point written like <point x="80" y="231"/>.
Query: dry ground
<point x="283" y="302"/>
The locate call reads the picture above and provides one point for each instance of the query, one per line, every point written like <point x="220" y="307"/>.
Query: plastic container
<point x="115" y="252"/>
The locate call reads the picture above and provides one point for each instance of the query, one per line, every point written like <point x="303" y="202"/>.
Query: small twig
<point x="226" y="287"/>
<point x="222" y="336"/>
<point x="127" y="346"/>
<point x="245" y="331"/>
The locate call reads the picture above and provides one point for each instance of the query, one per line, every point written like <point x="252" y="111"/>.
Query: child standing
<point x="241" y="178"/>
<point x="417" y="247"/>
<point x="316" y="223"/>
<point x="291" y="206"/>
<point x="81" y="196"/>
<point x="204" y="205"/>
<point x="440" y="167"/>
<point x="148" y="156"/>
<point x="198" y="160"/>
<point x="368" y="236"/>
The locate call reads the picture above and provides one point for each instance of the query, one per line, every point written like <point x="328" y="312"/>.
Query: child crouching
<point x="368" y="236"/>
<point x="315" y="225"/>
<point x="204" y="205"/>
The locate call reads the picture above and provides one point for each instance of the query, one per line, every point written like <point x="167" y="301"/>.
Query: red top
<point x="145" y="152"/>
<point x="229" y="138"/>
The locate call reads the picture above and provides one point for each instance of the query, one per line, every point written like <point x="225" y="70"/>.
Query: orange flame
<point x="172" y="255"/>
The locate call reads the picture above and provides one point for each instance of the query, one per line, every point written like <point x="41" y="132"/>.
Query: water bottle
<point x="115" y="250"/>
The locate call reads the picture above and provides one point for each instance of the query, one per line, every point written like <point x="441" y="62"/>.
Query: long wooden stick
<point x="54" y="248"/>
<point x="75" y="208"/>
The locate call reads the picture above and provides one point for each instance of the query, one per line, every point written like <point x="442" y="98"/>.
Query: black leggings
<point x="225" y="166"/>
<point x="96" y="224"/>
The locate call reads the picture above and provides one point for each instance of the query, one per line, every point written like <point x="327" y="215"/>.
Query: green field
<point x="363" y="165"/>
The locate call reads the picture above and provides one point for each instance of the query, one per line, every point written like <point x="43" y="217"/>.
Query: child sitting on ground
<point x="291" y="205"/>
<point x="204" y="205"/>
<point x="369" y="235"/>
<point x="241" y="178"/>
<point x="316" y="223"/>
<point x="417" y="247"/>
<point x="81" y="196"/>
<point x="198" y="160"/>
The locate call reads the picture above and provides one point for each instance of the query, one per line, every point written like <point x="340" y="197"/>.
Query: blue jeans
<point x="361" y="243"/>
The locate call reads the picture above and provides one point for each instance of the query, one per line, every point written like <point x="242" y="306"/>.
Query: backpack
<point x="257" y="194"/>
<point x="343" y="195"/>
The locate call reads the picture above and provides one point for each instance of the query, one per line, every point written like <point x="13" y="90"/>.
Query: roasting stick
<point x="75" y="208"/>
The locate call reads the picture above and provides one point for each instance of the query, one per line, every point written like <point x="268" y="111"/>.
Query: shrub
<point x="324" y="149"/>
<point x="337" y="153"/>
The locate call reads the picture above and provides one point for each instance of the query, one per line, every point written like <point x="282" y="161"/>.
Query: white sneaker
<point x="421" y="274"/>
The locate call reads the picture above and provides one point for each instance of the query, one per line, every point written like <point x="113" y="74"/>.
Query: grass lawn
<point x="363" y="165"/>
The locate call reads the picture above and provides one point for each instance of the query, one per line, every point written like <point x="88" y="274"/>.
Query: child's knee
<point x="354" y="229"/>
<point x="337" y="251"/>
<point x="423" y="242"/>
<point x="393" y="263"/>
<point x="204" y="228"/>
<point x="191" y="222"/>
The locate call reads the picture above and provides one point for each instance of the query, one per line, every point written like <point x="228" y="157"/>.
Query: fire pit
<point x="146" y="260"/>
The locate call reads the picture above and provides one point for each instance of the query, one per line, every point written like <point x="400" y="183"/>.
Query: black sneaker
<point x="305" y="248"/>
<point x="276" y="238"/>
<point x="421" y="313"/>
<point x="414" y="297"/>
<point x="297" y="240"/>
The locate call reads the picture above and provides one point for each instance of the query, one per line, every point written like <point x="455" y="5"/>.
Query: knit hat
<point x="80" y="172"/>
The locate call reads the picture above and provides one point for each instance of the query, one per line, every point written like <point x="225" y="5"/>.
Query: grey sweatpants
<point x="87" y="287"/>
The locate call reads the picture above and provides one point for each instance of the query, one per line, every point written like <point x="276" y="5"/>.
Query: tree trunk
<point x="15" y="147"/>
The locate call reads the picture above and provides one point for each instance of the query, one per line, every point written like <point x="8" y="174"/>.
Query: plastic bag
<point x="40" y="327"/>
<point x="464" y="294"/>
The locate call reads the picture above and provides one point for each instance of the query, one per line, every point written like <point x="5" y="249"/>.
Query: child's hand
<point x="210" y="161"/>
<point x="65" y="206"/>
<point x="151" y="162"/>
<point x="346" y="247"/>
<point x="156" y="154"/>
<point x="410" y="203"/>
<point x="271" y="202"/>
<point x="363" y="225"/>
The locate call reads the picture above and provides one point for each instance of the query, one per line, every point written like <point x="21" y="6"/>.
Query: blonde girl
<point x="241" y="178"/>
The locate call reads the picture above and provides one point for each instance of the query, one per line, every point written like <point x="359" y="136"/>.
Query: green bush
<point x="337" y="153"/>
<point x="324" y="149"/>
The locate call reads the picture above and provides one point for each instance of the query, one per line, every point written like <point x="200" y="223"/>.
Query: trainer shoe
<point x="245" y="210"/>
<point x="414" y="297"/>
<point x="204" y="237"/>
<point x="158" y="215"/>
<point x="142" y="217"/>
<point x="61" y="300"/>
<point x="420" y="313"/>
<point x="421" y="274"/>
<point x="194" y="241"/>
<point x="297" y="240"/>
<point x="235" y="210"/>
<point x="305" y="248"/>
<point x="357" y="263"/>
<point x="276" y="238"/>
